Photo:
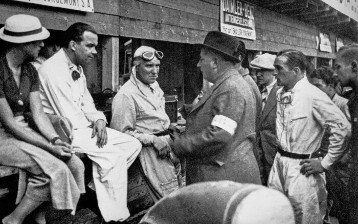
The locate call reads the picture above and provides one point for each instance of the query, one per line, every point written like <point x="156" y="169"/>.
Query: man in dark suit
<point x="346" y="68"/>
<point x="220" y="133"/>
<point x="267" y="140"/>
<point x="245" y="73"/>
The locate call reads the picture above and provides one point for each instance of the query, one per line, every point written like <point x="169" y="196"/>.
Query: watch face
<point x="54" y="139"/>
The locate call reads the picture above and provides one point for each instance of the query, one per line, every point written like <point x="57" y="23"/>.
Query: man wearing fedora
<point x="220" y="133"/>
<point x="64" y="92"/>
<point x="245" y="73"/>
<point x="262" y="65"/>
<point x="52" y="173"/>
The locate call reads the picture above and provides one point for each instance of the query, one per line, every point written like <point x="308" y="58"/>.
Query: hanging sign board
<point x="237" y="19"/>
<point x="339" y="43"/>
<point x="325" y="43"/>
<point x="347" y="7"/>
<point x="79" y="5"/>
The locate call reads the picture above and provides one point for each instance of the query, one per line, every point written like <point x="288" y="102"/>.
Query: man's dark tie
<point x="75" y="75"/>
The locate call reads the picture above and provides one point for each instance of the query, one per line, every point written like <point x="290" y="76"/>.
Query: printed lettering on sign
<point x="237" y="19"/>
<point x="79" y="5"/>
<point x="347" y="7"/>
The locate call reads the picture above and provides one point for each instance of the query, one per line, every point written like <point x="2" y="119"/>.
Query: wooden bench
<point x="7" y="171"/>
<point x="8" y="189"/>
<point x="140" y="196"/>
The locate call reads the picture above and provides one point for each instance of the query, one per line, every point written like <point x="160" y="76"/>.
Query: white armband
<point x="225" y="123"/>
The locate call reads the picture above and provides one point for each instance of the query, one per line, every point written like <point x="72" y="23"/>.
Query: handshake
<point x="162" y="143"/>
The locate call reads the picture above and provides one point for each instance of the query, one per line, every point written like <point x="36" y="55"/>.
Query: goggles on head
<point x="149" y="55"/>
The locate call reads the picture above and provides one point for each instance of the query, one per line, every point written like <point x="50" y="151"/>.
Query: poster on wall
<point x="237" y="19"/>
<point x="339" y="43"/>
<point x="79" y="5"/>
<point x="324" y="43"/>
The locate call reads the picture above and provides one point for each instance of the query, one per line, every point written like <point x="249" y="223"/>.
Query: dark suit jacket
<point x="353" y="182"/>
<point x="267" y="127"/>
<point x="212" y="153"/>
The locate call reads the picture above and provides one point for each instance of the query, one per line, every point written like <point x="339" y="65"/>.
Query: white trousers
<point x="110" y="165"/>
<point x="307" y="195"/>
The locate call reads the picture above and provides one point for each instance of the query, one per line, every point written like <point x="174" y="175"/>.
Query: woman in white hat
<point x="52" y="173"/>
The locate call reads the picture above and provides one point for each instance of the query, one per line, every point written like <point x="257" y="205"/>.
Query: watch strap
<point x="54" y="139"/>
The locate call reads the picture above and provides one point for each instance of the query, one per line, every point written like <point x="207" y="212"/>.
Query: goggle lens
<point x="149" y="55"/>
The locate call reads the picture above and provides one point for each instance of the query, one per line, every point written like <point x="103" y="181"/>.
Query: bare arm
<point x="60" y="149"/>
<point x="7" y="119"/>
<point x="40" y="118"/>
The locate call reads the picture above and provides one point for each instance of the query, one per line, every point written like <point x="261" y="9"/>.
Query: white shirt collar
<point x="71" y="65"/>
<point x="270" y="86"/>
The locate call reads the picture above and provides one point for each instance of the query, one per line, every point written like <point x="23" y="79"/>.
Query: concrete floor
<point x="83" y="216"/>
<point x="86" y="216"/>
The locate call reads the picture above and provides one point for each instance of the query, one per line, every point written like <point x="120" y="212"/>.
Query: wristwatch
<point x="54" y="139"/>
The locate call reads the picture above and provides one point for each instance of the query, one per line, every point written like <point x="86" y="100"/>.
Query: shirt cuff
<point x="326" y="162"/>
<point x="104" y="119"/>
<point x="151" y="138"/>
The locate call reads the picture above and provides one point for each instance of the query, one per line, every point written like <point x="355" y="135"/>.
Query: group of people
<point x="282" y="132"/>
<point x="32" y="100"/>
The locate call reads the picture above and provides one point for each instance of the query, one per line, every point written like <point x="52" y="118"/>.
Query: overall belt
<point x="158" y="134"/>
<point x="292" y="155"/>
<point x="162" y="133"/>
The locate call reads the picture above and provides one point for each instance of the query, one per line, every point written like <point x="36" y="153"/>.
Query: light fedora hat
<point x="23" y="28"/>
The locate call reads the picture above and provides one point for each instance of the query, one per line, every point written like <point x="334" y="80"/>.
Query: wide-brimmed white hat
<point x="263" y="61"/>
<point x="23" y="29"/>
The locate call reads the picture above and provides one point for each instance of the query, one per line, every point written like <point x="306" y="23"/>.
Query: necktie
<point x="75" y="75"/>
<point x="264" y="97"/>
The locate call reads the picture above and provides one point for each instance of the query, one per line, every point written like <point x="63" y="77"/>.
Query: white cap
<point x="139" y="52"/>
<point x="263" y="61"/>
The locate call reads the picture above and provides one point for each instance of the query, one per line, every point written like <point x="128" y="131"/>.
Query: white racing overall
<point x="303" y="114"/>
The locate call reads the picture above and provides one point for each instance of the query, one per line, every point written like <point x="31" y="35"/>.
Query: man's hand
<point x="311" y="166"/>
<point x="62" y="143"/>
<point x="162" y="146"/>
<point x="99" y="130"/>
<point x="61" y="152"/>
<point x="346" y="159"/>
<point x="185" y="110"/>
